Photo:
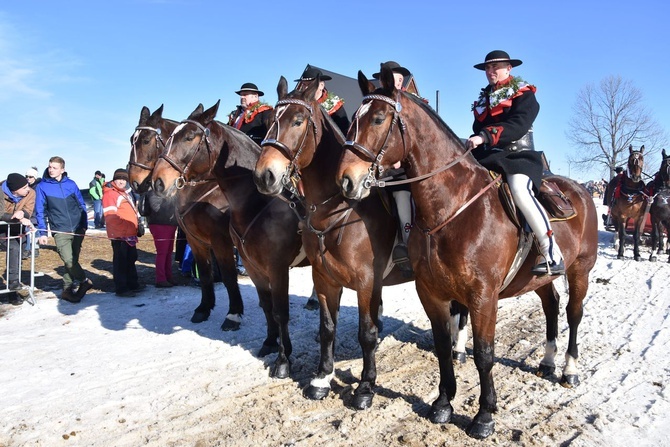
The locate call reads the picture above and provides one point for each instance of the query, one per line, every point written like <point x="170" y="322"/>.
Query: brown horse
<point x="660" y="208"/>
<point x="630" y="202"/>
<point x="264" y="229"/>
<point x="348" y="243"/>
<point x="463" y="243"/>
<point x="201" y="209"/>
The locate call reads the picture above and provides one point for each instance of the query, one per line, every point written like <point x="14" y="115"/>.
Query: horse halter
<point x="291" y="177"/>
<point x="133" y="146"/>
<point x="376" y="169"/>
<point x="181" y="181"/>
<point x="636" y="162"/>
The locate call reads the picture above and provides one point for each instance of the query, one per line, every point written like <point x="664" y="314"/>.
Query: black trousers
<point x="12" y="245"/>
<point x="123" y="266"/>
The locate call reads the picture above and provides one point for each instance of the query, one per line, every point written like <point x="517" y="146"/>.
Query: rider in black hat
<point x="252" y="116"/>
<point x="332" y="104"/>
<point x="502" y="142"/>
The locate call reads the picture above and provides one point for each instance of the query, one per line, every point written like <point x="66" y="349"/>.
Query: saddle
<point x="557" y="205"/>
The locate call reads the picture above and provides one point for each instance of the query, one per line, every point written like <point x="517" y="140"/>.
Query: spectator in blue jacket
<point x="59" y="200"/>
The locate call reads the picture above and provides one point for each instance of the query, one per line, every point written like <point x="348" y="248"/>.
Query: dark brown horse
<point x="264" y="229"/>
<point x="348" y="243"/>
<point x="201" y="209"/>
<point x="463" y="243"/>
<point x="630" y="202"/>
<point x="660" y="209"/>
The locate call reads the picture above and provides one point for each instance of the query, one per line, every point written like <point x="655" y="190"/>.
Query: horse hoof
<point x="199" y="317"/>
<point x="653" y="258"/>
<point x="281" y="370"/>
<point x="545" y="371"/>
<point x="230" y="325"/>
<point x="440" y="415"/>
<point x="312" y="304"/>
<point x="267" y="349"/>
<point x="570" y="380"/>
<point x="481" y="430"/>
<point x="362" y="401"/>
<point x="458" y="357"/>
<point x="619" y="256"/>
<point x="315" y="392"/>
<point x="638" y="258"/>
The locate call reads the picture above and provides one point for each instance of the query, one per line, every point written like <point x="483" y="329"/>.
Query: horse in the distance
<point x="660" y="209"/>
<point x="630" y="202"/>
<point x="463" y="243"/>
<point x="348" y="243"/>
<point x="201" y="210"/>
<point x="264" y="229"/>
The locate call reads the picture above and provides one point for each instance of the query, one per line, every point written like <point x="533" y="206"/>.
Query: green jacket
<point x="95" y="188"/>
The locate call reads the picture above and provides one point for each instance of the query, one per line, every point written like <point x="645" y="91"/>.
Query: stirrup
<point x="549" y="268"/>
<point x="400" y="253"/>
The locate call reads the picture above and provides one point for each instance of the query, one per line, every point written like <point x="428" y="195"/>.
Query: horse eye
<point x="298" y="122"/>
<point x="146" y="141"/>
<point x="190" y="136"/>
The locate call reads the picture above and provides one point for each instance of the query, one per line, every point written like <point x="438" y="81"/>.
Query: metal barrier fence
<point x="5" y="240"/>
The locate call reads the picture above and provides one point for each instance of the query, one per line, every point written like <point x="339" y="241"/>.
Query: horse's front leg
<point x="637" y="237"/>
<point x="368" y="329"/>
<point x="621" y="234"/>
<point x="483" y="333"/>
<point x="655" y="239"/>
<point x="280" y="314"/>
<point x="329" y="304"/>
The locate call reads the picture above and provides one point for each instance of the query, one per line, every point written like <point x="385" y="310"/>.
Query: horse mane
<point x="435" y="117"/>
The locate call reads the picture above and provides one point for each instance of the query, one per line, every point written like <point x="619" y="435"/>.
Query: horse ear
<point x="198" y="111"/>
<point x="209" y="114"/>
<point x="282" y="88"/>
<point x="630" y="149"/>
<point x="308" y="93"/>
<point x="387" y="79"/>
<point x="144" y="115"/>
<point x="663" y="153"/>
<point x="642" y="149"/>
<point x="158" y="113"/>
<point x="365" y="85"/>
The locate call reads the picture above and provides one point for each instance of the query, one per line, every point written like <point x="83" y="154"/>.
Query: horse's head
<point x="376" y="139"/>
<point x="146" y="145"/>
<point x="188" y="155"/>
<point x="291" y="141"/>
<point x="635" y="163"/>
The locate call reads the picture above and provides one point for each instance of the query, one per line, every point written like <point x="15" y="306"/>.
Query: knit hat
<point x="120" y="174"/>
<point x="16" y="181"/>
<point x="32" y="172"/>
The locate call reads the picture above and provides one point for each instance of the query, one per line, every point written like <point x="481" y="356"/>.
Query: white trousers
<point x="522" y="192"/>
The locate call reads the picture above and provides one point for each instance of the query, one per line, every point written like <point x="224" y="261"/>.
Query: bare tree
<point x="608" y="119"/>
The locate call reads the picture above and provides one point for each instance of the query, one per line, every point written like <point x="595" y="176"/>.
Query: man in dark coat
<point x="504" y="115"/>
<point x="252" y="116"/>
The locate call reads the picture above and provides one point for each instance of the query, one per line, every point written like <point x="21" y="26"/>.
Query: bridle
<point x="291" y="177"/>
<point x="133" y="161"/>
<point x="376" y="169"/>
<point x="181" y="181"/>
<point x="636" y="162"/>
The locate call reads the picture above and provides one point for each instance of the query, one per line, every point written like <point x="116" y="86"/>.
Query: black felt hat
<point x="497" y="56"/>
<point x="395" y="68"/>
<point x="249" y="87"/>
<point x="311" y="73"/>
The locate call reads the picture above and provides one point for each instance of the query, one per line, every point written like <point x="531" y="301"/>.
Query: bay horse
<point x="264" y="229"/>
<point x="630" y="202"/>
<point x="201" y="209"/>
<point x="463" y="243"/>
<point x="348" y="243"/>
<point x="660" y="208"/>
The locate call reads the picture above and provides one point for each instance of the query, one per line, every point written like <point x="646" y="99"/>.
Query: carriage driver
<point x="504" y="115"/>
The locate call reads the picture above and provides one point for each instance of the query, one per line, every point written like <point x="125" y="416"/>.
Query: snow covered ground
<point x="129" y="372"/>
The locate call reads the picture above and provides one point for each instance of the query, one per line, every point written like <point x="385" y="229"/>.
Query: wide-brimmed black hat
<point x="497" y="56"/>
<point x="311" y="73"/>
<point x="249" y="87"/>
<point x="395" y="68"/>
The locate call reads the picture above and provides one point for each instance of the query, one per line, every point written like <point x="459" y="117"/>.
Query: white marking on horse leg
<point x="237" y="318"/>
<point x="571" y="367"/>
<point x="550" y="350"/>
<point x="460" y="339"/>
<point x="322" y="383"/>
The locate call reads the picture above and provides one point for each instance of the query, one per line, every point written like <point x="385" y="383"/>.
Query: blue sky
<point x="74" y="75"/>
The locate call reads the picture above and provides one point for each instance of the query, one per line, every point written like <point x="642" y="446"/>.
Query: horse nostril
<point x="159" y="186"/>
<point x="136" y="185"/>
